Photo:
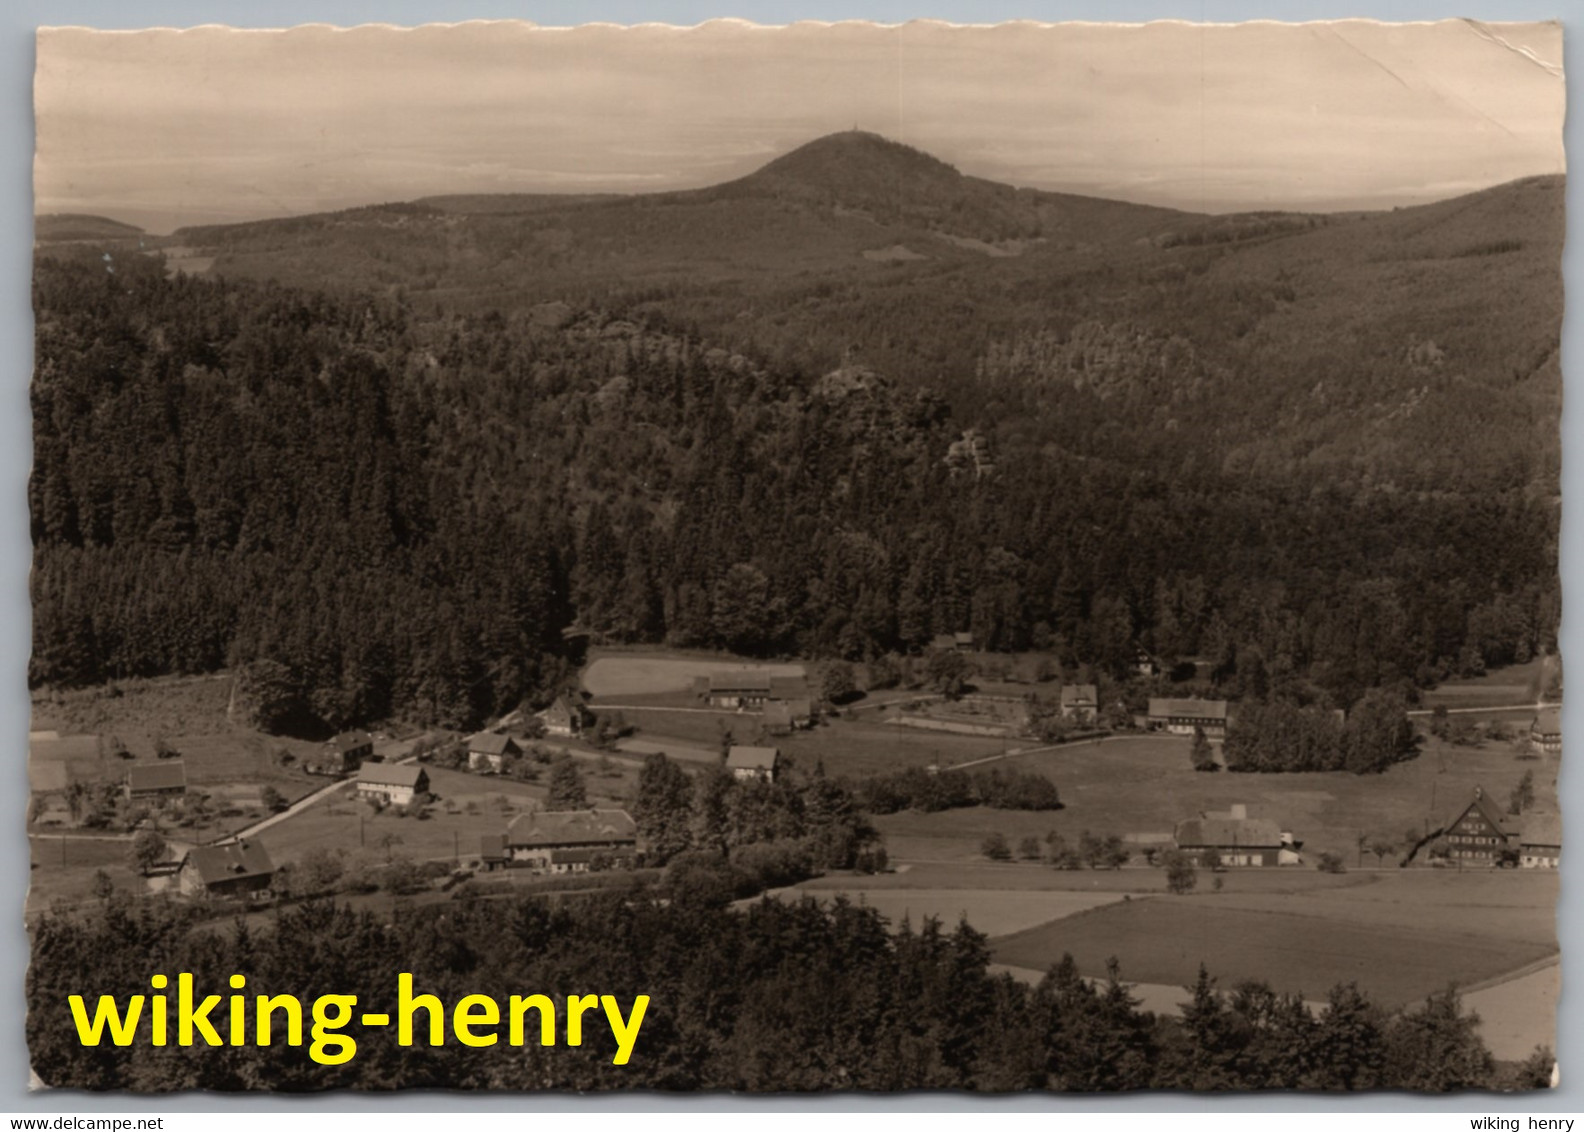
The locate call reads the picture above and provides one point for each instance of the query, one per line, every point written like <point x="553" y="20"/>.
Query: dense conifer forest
<point x="379" y="511"/>
<point x="777" y="997"/>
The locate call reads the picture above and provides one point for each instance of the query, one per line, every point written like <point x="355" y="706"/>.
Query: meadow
<point x="649" y="673"/>
<point x="995" y="912"/>
<point x="64" y="867"/>
<point x="852" y="747"/>
<point x="1145" y="784"/>
<point x="1165" y="939"/>
<point x="1513" y="684"/>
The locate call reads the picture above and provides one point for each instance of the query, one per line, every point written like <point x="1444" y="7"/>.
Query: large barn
<point x="1237" y="839"/>
<point x="1184" y="716"/>
<point x="571" y="841"/>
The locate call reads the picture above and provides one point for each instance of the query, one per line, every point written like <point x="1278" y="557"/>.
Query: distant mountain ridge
<point x="1343" y="347"/>
<point x="853" y="175"/>
<point x="56" y="227"/>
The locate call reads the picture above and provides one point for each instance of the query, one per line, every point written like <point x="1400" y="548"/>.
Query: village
<point x="391" y="818"/>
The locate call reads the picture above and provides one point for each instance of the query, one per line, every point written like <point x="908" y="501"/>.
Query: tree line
<point x="775" y="997"/>
<point x="1282" y="736"/>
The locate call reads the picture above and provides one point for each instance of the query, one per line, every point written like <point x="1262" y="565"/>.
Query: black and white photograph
<point x="831" y="558"/>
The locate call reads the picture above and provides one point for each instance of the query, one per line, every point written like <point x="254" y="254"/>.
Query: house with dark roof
<point x="749" y="764"/>
<point x="785" y="688"/>
<point x="492" y="851"/>
<point x="155" y="781"/>
<point x="1480" y="833"/>
<point x="1080" y="702"/>
<point x="1184" y="716"/>
<point x="571" y="841"/>
<point x="745" y="688"/>
<point x="564" y="718"/>
<point x="1540" y="841"/>
<point x="237" y="869"/>
<point x="782" y="717"/>
<point x="943" y="642"/>
<point x="488" y="751"/>
<point x="1239" y="840"/>
<point x="1545" y="732"/>
<point x="346" y="752"/>
<point x="397" y="783"/>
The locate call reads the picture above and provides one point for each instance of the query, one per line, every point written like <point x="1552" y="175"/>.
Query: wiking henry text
<point x="262" y="1019"/>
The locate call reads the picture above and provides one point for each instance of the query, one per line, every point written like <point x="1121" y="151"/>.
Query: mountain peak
<point x="856" y="163"/>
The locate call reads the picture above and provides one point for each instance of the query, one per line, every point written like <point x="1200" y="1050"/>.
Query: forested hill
<point x="380" y="509"/>
<point x="57" y="227"/>
<point x="1344" y="350"/>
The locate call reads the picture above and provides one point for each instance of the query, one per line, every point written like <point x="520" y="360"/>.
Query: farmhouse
<point x="743" y="689"/>
<point x="237" y="869"/>
<point x="156" y="780"/>
<point x="571" y="841"/>
<point x="786" y="688"/>
<point x="747" y="764"/>
<point x="492" y="851"/>
<point x="1545" y="733"/>
<point x="1079" y="702"/>
<point x="1478" y="835"/>
<point x="562" y="718"/>
<point x="397" y="783"/>
<point x="346" y="752"/>
<point x="1240" y="840"/>
<point x="1540" y="843"/>
<point x="488" y="751"/>
<point x="1182" y="716"/>
<point x="782" y="717"/>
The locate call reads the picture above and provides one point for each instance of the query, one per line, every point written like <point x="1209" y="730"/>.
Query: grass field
<point x="678" y="749"/>
<point x="630" y="674"/>
<point x="1144" y="783"/>
<point x="1494" y="904"/>
<point x="1032" y="877"/>
<point x="1517" y="1015"/>
<point x="846" y="746"/>
<point x="64" y="867"/>
<point x="994" y="912"/>
<point x="1164" y="939"/>
<point x="1515" y="684"/>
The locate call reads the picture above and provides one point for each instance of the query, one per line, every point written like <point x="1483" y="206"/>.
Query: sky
<point x="167" y="127"/>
